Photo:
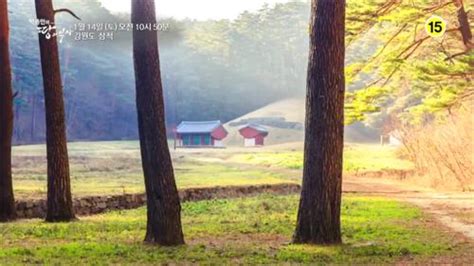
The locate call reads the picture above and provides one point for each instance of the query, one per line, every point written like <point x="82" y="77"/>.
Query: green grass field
<point x="251" y="230"/>
<point x="357" y="157"/>
<point x="99" y="168"/>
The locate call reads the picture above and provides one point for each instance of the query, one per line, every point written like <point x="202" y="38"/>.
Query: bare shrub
<point x="442" y="150"/>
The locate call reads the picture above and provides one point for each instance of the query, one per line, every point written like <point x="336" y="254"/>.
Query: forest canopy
<point x="208" y="67"/>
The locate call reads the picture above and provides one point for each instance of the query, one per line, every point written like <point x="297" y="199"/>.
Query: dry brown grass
<point x="443" y="150"/>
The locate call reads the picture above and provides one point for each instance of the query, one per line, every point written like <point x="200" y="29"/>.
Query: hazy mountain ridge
<point x="210" y="69"/>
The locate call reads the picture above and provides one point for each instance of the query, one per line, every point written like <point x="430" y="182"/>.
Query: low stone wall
<point x="99" y="204"/>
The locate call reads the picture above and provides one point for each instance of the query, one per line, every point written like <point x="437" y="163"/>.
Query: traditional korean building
<point x="200" y="134"/>
<point x="254" y="135"/>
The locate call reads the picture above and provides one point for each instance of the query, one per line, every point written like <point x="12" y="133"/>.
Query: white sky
<point x="195" y="9"/>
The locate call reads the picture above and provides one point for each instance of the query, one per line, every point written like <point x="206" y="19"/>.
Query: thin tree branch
<point x="437" y="7"/>
<point x="419" y="42"/>
<point x="391" y="75"/>
<point x="67" y="11"/>
<point x="372" y="59"/>
<point x="390" y="40"/>
<point x="388" y="7"/>
<point x="449" y="58"/>
<point x="412" y="51"/>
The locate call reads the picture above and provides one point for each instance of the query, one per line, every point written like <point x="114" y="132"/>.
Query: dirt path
<point x="454" y="210"/>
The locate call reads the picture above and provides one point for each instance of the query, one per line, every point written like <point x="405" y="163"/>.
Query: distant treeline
<point x="223" y="69"/>
<point x="211" y="69"/>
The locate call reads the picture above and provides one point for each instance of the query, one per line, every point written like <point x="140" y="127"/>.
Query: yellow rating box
<point x="435" y="26"/>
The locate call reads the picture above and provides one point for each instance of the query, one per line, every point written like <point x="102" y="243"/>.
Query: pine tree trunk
<point x="163" y="206"/>
<point x="319" y="210"/>
<point x="7" y="201"/>
<point x="59" y="184"/>
<point x="464" y="26"/>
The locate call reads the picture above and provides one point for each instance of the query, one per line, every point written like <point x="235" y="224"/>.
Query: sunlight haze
<point x="202" y="10"/>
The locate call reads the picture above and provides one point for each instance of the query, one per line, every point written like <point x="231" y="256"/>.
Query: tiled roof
<point x="256" y="127"/>
<point x="198" y="126"/>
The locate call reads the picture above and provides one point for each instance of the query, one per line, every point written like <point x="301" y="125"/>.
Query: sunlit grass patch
<point x="114" y="167"/>
<point x="248" y="230"/>
<point x="357" y="157"/>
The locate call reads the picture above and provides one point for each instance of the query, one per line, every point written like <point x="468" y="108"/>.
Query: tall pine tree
<point x="319" y="210"/>
<point x="7" y="201"/>
<point x="59" y="184"/>
<point x="163" y="206"/>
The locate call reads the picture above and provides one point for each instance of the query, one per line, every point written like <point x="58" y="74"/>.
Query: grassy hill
<point x="285" y="122"/>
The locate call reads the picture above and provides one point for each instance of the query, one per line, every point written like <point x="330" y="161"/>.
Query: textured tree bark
<point x="319" y="209"/>
<point x="59" y="184"/>
<point x="464" y="26"/>
<point x="163" y="206"/>
<point x="7" y="201"/>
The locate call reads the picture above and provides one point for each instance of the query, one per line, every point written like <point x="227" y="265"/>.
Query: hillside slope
<point x="285" y="122"/>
